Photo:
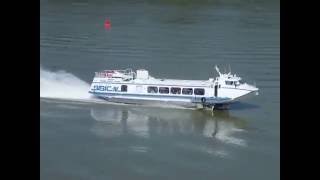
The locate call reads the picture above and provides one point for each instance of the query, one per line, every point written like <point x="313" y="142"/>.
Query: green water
<point x="181" y="39"/>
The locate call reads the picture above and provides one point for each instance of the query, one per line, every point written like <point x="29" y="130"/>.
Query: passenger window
<point x="198" y="91"/>
<point x="187" y="91"/>
<point x="175" y="90"/>
<point x="124" y="88"/>
<point x="152" y="89"/>
<point x="164" y="90"/>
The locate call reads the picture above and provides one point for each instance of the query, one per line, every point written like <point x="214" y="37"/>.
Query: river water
<point x="183" y="39"/>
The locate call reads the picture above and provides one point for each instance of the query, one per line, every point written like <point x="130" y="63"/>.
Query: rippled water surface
<point x="81" y="138"/>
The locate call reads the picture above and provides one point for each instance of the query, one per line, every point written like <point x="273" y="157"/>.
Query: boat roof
<point x="173" y="82"/>
<point x="142" y="77"/>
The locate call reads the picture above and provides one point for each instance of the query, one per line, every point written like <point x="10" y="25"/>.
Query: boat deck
<point x="173" y="82"/>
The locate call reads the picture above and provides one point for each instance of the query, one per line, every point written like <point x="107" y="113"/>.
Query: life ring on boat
<point x="203" y="100"/>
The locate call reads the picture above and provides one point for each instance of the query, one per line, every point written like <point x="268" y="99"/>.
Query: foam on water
<point x="62" y="85"/>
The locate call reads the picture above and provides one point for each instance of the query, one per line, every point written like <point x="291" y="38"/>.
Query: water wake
<point x="62" y="85"/>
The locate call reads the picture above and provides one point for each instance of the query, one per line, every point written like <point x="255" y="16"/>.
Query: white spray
<point x="62" y="85"/>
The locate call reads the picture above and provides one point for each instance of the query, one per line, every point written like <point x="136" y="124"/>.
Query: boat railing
<point x="126" y="73"/>
<point x="100" y="75"/>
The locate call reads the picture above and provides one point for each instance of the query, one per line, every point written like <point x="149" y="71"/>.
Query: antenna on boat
<point x="229" y="68"/>
<point x="217" y="69"/>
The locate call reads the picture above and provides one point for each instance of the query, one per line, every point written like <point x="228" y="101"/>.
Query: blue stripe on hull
<point x="144" y="95"/>
<point x="152" y="102"/>
<point x="162" y="98"/>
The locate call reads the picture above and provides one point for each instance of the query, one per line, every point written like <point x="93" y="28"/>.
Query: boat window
<point x="198" y="91"/>
<point x="187" y="91"/>
<point x="124" y="88"/>
<point x="164" y="90"/>
<point x="175" y="90"/>
<point x="229" y="82"/>
<point x="152" y="89"/>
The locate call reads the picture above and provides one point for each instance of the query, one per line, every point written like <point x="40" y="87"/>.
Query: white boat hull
<point x="167" y="102"/>
<point x="125" y="86"/>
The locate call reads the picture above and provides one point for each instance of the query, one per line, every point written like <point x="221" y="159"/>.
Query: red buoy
<point x="107" y="24"/>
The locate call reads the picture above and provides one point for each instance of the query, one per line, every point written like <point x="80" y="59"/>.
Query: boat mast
<point x="217" y="69"/>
